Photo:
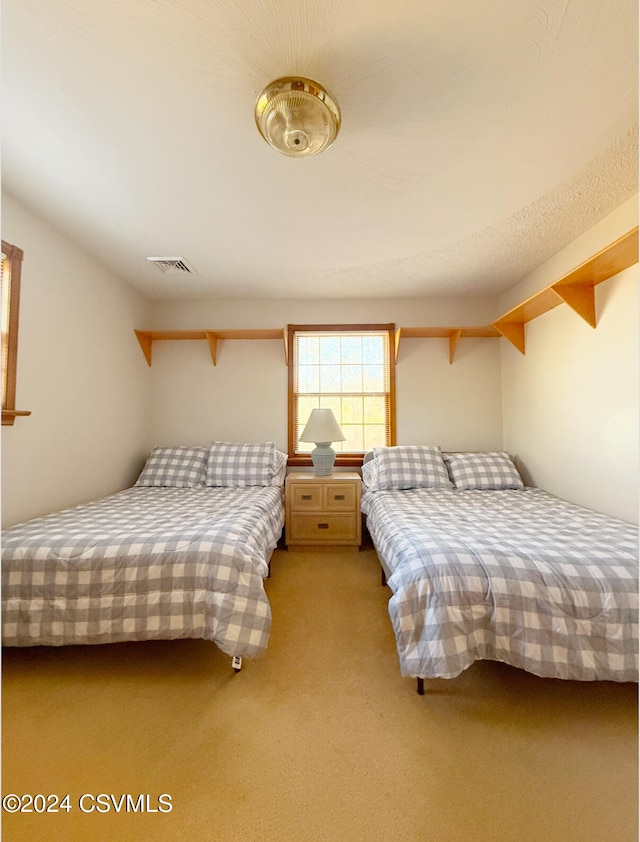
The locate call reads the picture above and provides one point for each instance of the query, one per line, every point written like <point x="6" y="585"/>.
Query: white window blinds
<point x="348" y="372"/>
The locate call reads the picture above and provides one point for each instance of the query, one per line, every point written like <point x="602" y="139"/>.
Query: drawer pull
<point x="306" y="496"/>
<point x="338" y="496"/>
<point x="323" y="526"/>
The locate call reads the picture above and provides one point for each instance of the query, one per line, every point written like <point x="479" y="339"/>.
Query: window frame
<point x="14" y="256"/>
<point x="345" y="460"/>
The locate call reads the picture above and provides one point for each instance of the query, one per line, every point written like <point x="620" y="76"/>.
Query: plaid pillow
<point x="484" y="471"/>
<point x="279" y="468"/>
<point x="370" y="475"/>
<point x="410" y="466"/>
<point x="174" y="467"/>
<point x="235" y="465"/>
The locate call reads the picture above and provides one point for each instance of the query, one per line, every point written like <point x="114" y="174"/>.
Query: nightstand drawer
<point x="322" y="529"/>
<point x="340" y="497"/>
<point x="307" y="497"/>
<point x="337" y="497"/>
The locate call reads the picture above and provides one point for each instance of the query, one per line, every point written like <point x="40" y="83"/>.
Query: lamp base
<point x="323" y="457"/>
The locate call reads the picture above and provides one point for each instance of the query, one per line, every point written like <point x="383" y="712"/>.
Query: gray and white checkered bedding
<point x="482" y="471"/>
<point x="240" y="465"/>
<point x="175" y="467"/>
<point x="144" y="564"/>
<point x="410" y="466"/>
<point x="514" y="576"/>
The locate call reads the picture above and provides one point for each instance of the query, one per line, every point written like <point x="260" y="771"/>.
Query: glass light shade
<point x="297" y="116"/>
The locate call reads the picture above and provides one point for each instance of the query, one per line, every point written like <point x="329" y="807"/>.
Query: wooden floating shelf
<point x="450" y="333"/>
<point x="9" y="415"/>
<point x="146" y="338"/>
<point x="575" y="289"/>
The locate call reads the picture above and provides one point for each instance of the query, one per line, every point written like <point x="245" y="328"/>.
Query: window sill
<point x="350" y="460"/>
<point x="10" y="415"/>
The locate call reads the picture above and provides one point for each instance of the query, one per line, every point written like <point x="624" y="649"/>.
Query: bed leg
<point x="236" y="663"/>
<point x="421" y="687"/>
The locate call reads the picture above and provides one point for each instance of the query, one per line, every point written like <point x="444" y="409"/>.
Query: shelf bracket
<point x="581" y="299"/>
<point x="212" y="339"/>
<point x="453" y="342"/>
<point x="398" y="335"/>
<point x="146" y="343"/>
<point x="513" y="331"/>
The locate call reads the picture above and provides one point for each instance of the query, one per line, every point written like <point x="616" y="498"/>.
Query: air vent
<point x="172" y="265"/>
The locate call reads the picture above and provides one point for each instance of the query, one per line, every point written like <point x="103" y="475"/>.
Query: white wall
<point x="80" y="372"/>
<point x="568" y="408"/>
<point x="244" y="397"/>
<point x="571" y="402"/>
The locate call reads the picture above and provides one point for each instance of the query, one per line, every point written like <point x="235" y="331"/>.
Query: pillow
<point x="279" y="468"/>
<point x="234" y="465"/>
<point x="410" y="466"/>
<point x="370" y="474"/>
<point x="485" y="471"/>
<point x="174" y="467"/>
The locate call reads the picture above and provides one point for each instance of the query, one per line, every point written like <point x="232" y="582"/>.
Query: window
<point x="11" y="267"/>
<point x="349" y="369"/>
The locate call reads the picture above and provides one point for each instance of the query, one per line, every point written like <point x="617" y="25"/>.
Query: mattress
<point x="517" y="576"/>
<point x="144" y="564"/>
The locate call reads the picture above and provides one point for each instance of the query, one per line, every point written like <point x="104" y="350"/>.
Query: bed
<point x="181" y="554"/>
<point x="482" y="567"/>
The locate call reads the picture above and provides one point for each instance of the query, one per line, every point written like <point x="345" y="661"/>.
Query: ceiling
<point x="477" y="139"/>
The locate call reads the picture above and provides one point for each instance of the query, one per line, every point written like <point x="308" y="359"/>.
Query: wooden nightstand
<point x="323" y="510"/>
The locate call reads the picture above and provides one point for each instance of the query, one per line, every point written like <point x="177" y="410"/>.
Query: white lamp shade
<point x="322" y="426"/>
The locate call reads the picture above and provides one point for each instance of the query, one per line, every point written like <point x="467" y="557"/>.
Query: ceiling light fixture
<point x="297" y="116"/>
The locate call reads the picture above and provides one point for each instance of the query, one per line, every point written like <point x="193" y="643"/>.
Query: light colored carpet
<point x="320" y="739"/>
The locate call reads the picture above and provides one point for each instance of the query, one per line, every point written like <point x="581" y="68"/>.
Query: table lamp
<point x="322" y="428"/>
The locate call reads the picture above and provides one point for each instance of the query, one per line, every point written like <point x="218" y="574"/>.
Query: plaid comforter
<point x="514" y="576"/>
<point x="146" y="563"/>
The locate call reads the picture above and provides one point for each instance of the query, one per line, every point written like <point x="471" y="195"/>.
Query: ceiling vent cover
<point x="172" y="265"/>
